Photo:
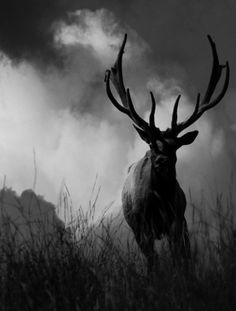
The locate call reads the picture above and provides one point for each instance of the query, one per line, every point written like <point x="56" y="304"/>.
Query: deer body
<point x="153" y="210"/>
<point x="153" y="202"/>
<point x="145" y="193"/>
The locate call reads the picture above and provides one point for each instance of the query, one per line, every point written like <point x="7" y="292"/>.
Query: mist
<point x="58" y="128"/>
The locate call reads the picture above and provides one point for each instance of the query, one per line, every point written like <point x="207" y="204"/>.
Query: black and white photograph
<point x="117" y="155"/>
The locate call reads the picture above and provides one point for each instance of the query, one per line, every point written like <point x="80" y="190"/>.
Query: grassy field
<point x="98" y="267"/>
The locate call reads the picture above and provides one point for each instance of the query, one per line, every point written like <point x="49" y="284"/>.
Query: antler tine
<point x="111" y="97"/>
<point x="152" y="114"/>
<point x="116" y="76"/>
<point x="175" y="113"/>
<point x="134" y="115"/>
<point x="155" y="130"/>
<point x="206" y="102"/>
<point x="179" y="127"/>
<point x="214" y="79"/>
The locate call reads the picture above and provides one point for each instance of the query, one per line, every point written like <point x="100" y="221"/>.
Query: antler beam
<point x="127" y="107"/>
<point x="207" y="102"/>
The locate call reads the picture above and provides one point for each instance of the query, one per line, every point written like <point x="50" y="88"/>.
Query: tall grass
<point x="97" y="266"/>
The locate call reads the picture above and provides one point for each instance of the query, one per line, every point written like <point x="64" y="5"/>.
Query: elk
<point x="153" y="202"/>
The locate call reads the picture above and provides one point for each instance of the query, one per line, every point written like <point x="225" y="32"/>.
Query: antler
<point x="207" y="102"/>
<point x="127" y="107"/>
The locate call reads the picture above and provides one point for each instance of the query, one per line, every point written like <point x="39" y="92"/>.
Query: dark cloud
<point x="27" y="29"/>
<point x="175" y="30"/>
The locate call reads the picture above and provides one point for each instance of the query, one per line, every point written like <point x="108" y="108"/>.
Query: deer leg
<point x="145" y="240"/>
<point x="146" y="245"/>
<point x="179" y="242"/>
<point x="184" y="241"/>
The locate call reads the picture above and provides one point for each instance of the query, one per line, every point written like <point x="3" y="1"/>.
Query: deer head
<point x="164" y="144"/>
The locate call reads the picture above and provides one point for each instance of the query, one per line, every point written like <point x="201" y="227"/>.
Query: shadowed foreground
<point x="100" y="268"/>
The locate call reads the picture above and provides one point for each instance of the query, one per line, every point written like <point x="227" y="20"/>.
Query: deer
<point x="153" y="202"/>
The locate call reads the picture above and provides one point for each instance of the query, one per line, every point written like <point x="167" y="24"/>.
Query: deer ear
<point x="142" y="134"/>
<point x="187" y="138"/>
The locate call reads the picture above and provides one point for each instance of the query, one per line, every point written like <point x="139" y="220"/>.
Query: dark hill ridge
<point x="27" y="217"/>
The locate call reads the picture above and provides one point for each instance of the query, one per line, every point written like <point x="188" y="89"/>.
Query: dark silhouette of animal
<point x="153" y="201"/>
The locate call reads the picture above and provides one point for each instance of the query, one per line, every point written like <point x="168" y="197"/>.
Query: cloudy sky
<point x="57" y="126"/>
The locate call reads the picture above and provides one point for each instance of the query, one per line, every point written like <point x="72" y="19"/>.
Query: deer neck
<point x="164" y="183"/>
